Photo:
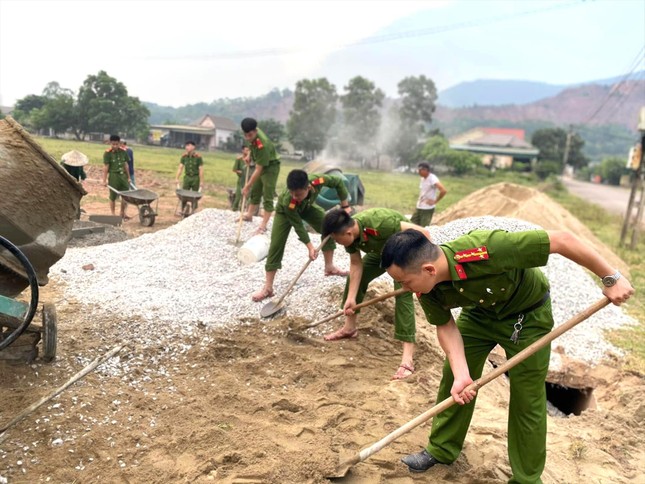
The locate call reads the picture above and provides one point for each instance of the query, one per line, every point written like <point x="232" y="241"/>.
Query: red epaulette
<point x="369" y="231"/>
<point x="472" y="255"/>
<point x="258" y="143"/>
<point x="293" y="204"/>
<point x="108" y="150"/>
<point x="318" y="181"/>
<point x="196" y="154"/>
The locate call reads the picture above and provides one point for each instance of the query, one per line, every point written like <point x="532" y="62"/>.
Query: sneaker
<point x="419" y="462"/>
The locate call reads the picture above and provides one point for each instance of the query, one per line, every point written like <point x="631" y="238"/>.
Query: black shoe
<point x="419" y="462"/>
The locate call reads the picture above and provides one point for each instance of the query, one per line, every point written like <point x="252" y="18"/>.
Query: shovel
<point x="345" y="465"/>
<point x="273" y="307"/>
<point x="382" y="297"/>
<point x="239" y="225"/>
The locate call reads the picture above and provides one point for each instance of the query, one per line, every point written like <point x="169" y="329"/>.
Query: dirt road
<point x="612" y="199"/>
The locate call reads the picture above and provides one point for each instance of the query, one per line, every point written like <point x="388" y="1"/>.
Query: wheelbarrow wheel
<point x="146" y="216"/>
<point x="188" y="210"/>
<point x="50" y="332"/>
<point x="7" y="338"/>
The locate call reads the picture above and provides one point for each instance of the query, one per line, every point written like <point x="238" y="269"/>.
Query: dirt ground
<point x="267" y="403"/>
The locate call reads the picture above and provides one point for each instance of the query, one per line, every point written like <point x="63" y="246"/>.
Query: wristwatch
<point x="609" y="281"/>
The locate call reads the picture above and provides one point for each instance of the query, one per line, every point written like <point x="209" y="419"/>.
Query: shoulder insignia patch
<point x="258" y="143"/>
<point x="372" y="232"/>
<point x="108" y="150"/>
<point x="472" y="255"/>
<point x="461" y="272"/>
<point x="318" y="181"/>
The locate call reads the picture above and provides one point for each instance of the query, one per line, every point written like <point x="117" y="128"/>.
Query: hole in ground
<point x="570" y="400"/>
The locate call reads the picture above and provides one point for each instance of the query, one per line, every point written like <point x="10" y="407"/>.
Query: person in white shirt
<point x="431" y="191"/>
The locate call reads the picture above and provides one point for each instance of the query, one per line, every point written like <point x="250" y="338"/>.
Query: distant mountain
<point x="275" y="104"/>
<point x="576" y="105"/>
<point x="490" y="92"/>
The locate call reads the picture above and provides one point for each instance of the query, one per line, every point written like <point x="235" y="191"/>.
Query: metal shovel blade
<point x="271" y="308"/>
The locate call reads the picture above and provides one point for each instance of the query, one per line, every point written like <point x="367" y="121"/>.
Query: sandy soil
<point x="269" y="403"/>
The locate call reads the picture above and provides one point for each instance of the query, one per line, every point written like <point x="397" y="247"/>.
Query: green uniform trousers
<point x="264" y="187"/>
<point x="404" y="321"/>
<point x="527" y="408"/>
<point x="119" y="182"/>
<point x="238" y="193"/>
<point x="280" y="232"/>
<point x="190" y="183"/>
<point x="422" y="217"/>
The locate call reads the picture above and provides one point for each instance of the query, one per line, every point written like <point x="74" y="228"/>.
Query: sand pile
<point x="510" y="200"/>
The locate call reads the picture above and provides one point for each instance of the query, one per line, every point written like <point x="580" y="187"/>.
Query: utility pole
<point x="638" y="184"/>
<point x="567" y="148"/>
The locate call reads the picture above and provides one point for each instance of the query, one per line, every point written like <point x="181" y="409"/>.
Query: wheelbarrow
<point x="16" y="317"/>
<point x="188" y="200"/>
<point x="142" y="199"/>
<point x="37" y="210"/>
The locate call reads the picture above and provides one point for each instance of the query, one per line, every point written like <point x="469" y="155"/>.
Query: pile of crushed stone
<point x="188" y="275"/>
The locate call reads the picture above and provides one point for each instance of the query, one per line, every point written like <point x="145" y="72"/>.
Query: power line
<point x="245" y="54"/>
<point x="633" y="66"/>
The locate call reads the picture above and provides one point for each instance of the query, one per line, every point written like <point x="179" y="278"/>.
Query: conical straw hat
<point x="75" y="158"/>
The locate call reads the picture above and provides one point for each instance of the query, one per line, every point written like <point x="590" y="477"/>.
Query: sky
<point x="183" y="52"/>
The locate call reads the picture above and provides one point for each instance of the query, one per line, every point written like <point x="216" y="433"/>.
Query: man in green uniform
<point x="262" y="183"/>
<point x="115" y="164"/>
<point x="494" y="276"/>
<point x="194" y="174"/>
<point x="368" y="231"/>
<point x="296" y="205"/>
<point x="241" y="166"/>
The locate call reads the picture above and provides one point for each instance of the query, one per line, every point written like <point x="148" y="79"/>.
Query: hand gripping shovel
<point x="382" y="297"/>
<point x="273" y="307"/>
<point x="239" y="225"/>
<point x="345" y="465"/>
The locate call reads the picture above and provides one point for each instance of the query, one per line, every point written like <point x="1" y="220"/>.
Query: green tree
<point x="361" y="112"/>
<point x="104" y="107"/>
<point x="58" y="114"/>
<point x="552" y="142"/>
<point x="25" y="106"/>
<point x="437" y="151"/>
<point x="418" y="97"/>
<point x="611" y="169"/>
<point x="313" y="114"/>
<point x="274" y="129"/>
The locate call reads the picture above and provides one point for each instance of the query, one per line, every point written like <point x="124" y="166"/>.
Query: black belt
<point x="535" y="306"/>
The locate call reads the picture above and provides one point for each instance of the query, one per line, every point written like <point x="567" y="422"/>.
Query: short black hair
<point x="424" y="165"/>
<point x="115" y="137"/>
<point x="336" y="221"/>
<point x="297" y="180"/>
<point x="249" y="124"/>
<point x="189" y="142"/>
<point x="409" y="250"/>
<point x="124" y="142"/>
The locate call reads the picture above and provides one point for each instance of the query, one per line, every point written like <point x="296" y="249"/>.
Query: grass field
<point x="399" y="191"/>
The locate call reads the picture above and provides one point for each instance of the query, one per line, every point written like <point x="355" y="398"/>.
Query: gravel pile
<point x="188" y="275"/>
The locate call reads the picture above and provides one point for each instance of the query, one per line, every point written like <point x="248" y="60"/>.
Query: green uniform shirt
<point x="263" y="150"/>
<point x="503" y="280"/>
<point x="375" y="226"/>
<point x="293" y="210"/>
<point x="116" y="159"/>
<point x="75" y="171"/>
<point x="239" y="166"/>
<point x="192" y="162"/>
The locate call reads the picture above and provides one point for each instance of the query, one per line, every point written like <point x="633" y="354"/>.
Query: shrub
<point x="545" y="168"/>
<point x="611" y="169"/>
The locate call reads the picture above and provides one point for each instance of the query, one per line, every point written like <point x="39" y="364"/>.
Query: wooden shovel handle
<point x="295" y="279"/>
<point x="239" y="225"/>
<point x="500" y="370"/>
<point x="358" y="306"/>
